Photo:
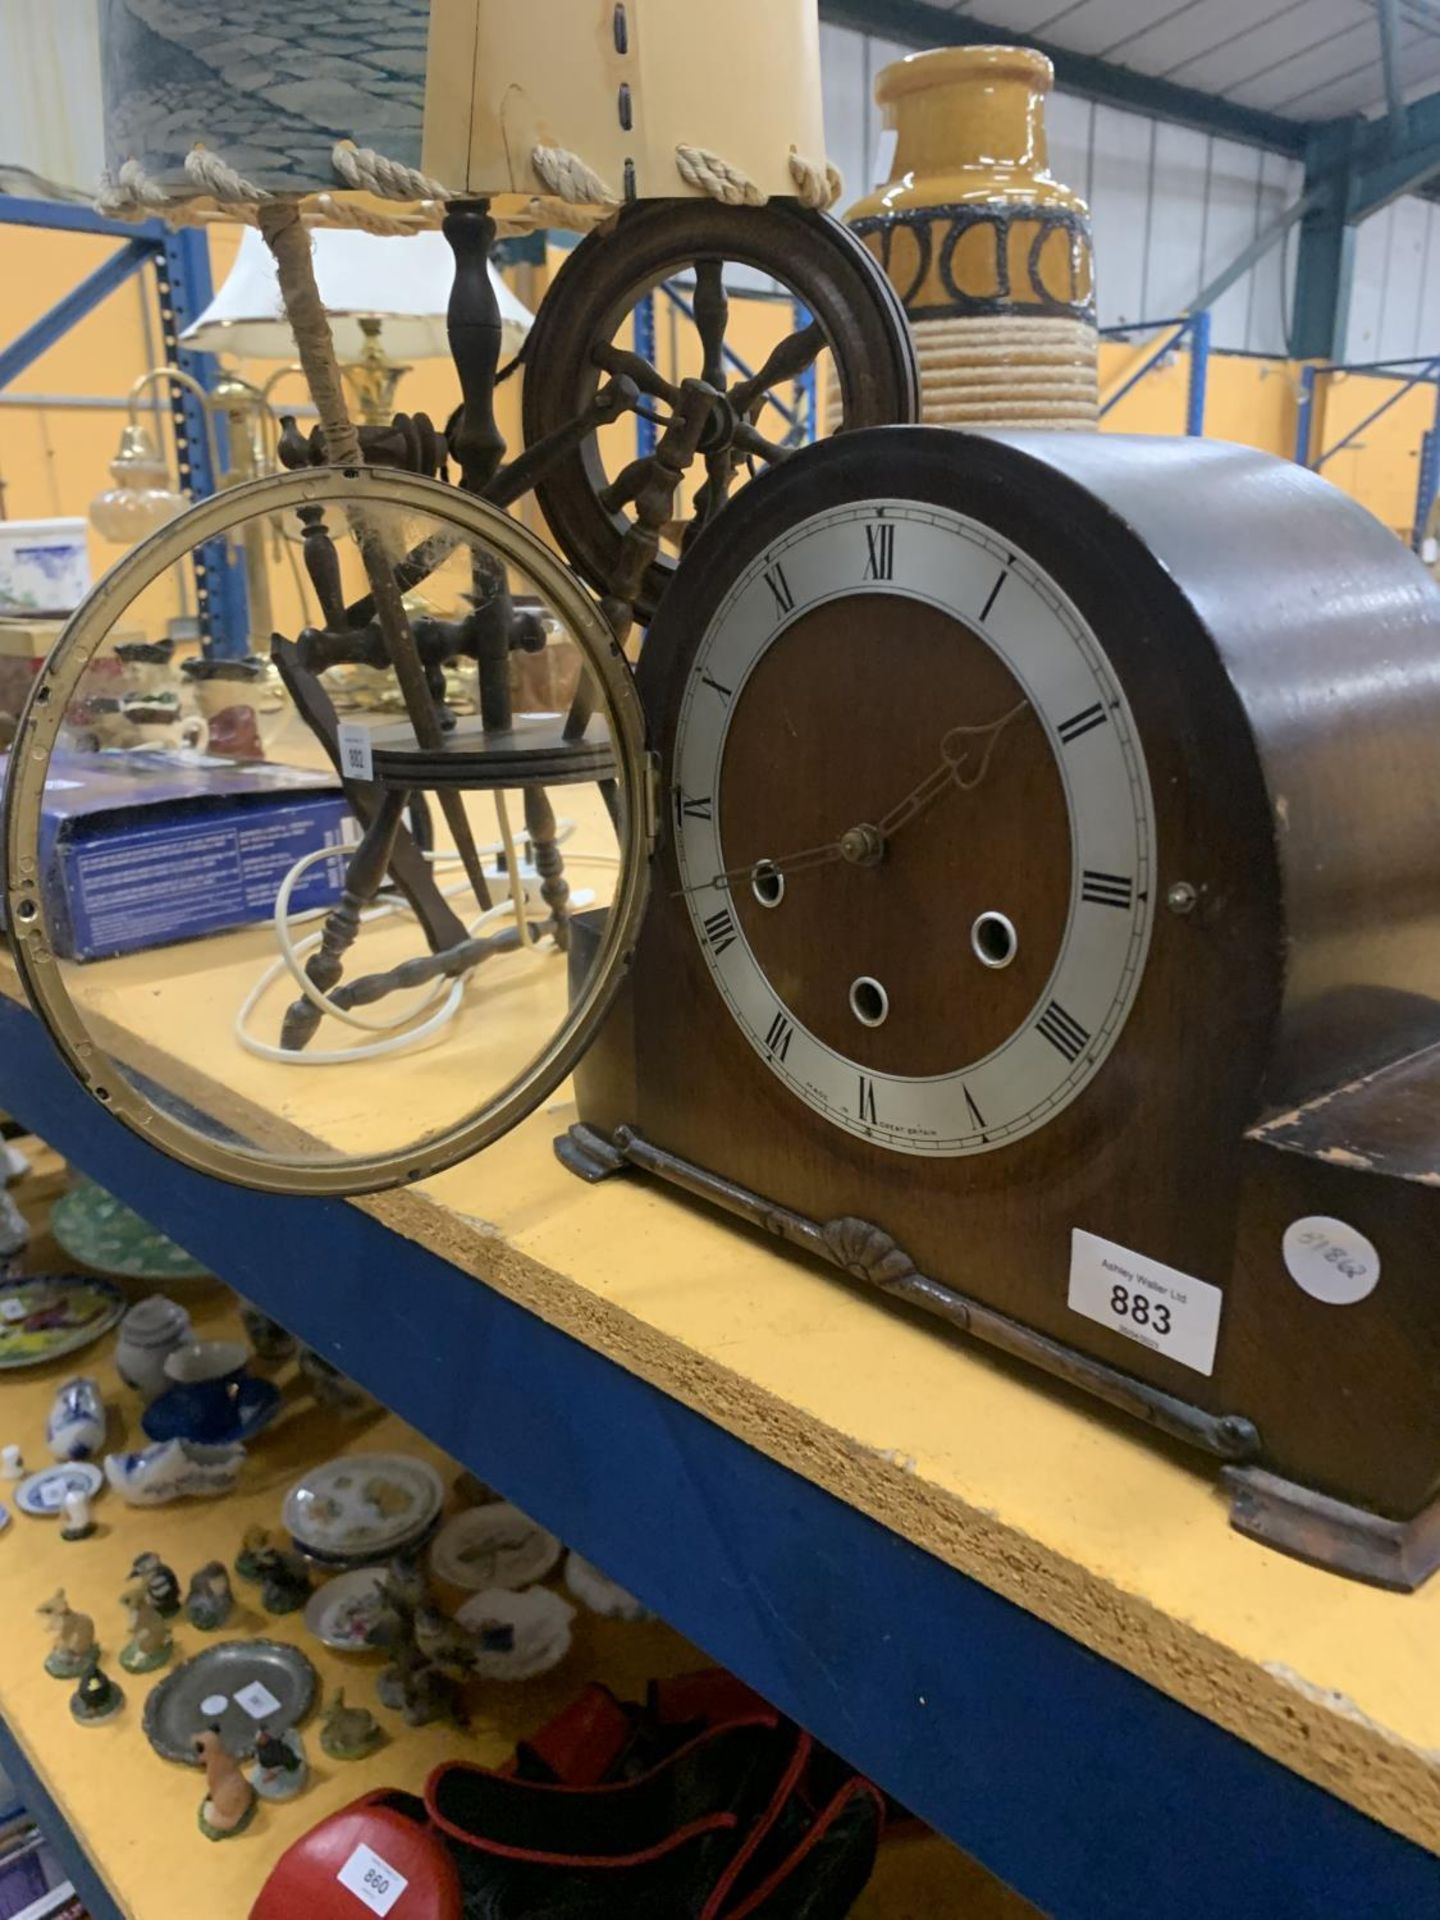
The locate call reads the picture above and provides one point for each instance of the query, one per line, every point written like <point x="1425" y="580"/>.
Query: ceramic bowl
<point x="539" y="1623"/>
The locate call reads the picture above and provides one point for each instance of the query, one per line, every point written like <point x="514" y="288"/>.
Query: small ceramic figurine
<point x="78" y="1523"/>
<point x="209" y="1601"/>
<point x="150" y="1644"/>
<point x="349" y="1733"/>
<point x="174" y="1470"/>
<point x="74" y="1637"/>
<point x="332" y="1389"/>
<point x="161" y="1587"/>
<point x="97" y="1697"/>
<point x="76" y="1426"/>
<point x="229" y="1803"/>
<point x="149" y="1333"/>
<point x="12" y="1463"/>
<point x="285" y="1580"/>
<point x="255" y="1542"/>
<point x="268" y="1338"/>
<point x="448" y="1645"/>
<point x="279" y="1770"/>
<point x="411" y="1685"/>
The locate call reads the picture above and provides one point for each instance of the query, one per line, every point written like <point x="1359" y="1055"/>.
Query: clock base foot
<point x="587" y="1152"/>
<point x="1398" y="1554"/>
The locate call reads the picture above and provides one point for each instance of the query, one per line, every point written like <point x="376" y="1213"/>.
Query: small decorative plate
<point x="363" y="1505"/>
<point x="536" y="1625"/>
<point x="42" y="1494"/>
<point x="238" y="1686"/>
<point x="346" y="1610"/>
<point x="101" y="1232"/>
<point x="492" y="1546"/>
<point x="48" y="1315"/>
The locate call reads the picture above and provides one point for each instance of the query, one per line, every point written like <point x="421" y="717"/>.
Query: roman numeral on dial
<point x="1106" y="889"/>
<point x="725" y="693"/>
<point x="777" y="1040"/>
<point x="1082" y="722"/>
<point x="880" y="551"/>
<point x="688" y="807"/>
<point x="1063" y="1031"/>
<point x="780" y="587"/>
<point x="720" y="930"/>
<point x="867" y="1099"/>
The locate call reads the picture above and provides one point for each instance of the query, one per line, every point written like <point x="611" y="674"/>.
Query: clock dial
<point x="914" y="828"/>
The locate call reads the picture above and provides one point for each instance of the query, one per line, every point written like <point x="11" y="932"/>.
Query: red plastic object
<point x="305" y="1881"/>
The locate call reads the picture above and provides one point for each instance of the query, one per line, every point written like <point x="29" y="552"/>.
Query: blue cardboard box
<point x="141" y="849"/>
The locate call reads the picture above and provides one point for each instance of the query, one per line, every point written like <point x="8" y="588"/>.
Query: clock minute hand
<point x="956" y="747"/>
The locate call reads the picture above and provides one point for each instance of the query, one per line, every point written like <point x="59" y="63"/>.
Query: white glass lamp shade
<point x="402" y="281"/>
<point x="142" y="498"/>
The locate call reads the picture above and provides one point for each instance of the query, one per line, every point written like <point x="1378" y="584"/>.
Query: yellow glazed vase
<point x="990" y="255"/>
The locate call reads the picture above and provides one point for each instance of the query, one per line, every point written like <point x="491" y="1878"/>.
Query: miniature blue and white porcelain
<point x="149" y="1334"/>
<point x="42" y="1496"/>
<point x="174" y="1470"/>
<point x="76" y="1427"/>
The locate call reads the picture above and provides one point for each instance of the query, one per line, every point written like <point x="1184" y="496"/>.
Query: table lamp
<point x="385" y="297"/>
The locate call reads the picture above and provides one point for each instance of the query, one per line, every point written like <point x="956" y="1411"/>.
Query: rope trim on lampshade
<point x="578" y="197"/>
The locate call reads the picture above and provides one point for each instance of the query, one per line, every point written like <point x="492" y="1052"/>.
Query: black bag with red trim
<point x="705" y="1804"/>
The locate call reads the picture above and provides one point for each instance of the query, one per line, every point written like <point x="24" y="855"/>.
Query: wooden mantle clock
<point x="1047" y="933"/>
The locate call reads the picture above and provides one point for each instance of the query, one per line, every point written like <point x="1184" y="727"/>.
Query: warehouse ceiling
<point x="1301" y="59"/>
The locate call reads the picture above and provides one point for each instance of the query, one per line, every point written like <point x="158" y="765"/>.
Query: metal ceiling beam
<point x="1384" y="170"/>
<point x="921" y="24"/>
<point x="1389" y="12"/>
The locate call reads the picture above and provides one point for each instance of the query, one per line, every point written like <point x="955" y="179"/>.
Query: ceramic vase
<point x="149" y="1334"/>
<point x="990" y="255"/>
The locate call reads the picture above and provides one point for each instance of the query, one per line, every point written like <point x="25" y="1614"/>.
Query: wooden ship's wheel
<point x="852" y="334"/>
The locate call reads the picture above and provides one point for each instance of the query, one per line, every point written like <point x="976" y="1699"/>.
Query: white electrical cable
<point x="397" y="1032"/>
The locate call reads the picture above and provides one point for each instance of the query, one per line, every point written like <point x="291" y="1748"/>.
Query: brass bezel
<point x="29" y="934"/>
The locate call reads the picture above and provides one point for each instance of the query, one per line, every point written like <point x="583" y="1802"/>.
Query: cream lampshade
<point x="403" y="282"/>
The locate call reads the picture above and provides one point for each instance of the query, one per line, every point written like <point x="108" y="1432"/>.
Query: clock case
<point x="1280" y="652"/>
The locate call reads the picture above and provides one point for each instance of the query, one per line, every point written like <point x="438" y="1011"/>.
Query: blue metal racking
<point x="181" y="263"/>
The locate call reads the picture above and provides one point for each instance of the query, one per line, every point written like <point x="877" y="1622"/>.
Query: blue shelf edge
<point x="1086" y="1789"/>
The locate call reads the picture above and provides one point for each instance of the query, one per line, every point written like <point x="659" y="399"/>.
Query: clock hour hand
<point x="792" y="863"/>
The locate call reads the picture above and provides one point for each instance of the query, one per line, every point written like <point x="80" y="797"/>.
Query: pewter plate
<point x="230" y="1686"/>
